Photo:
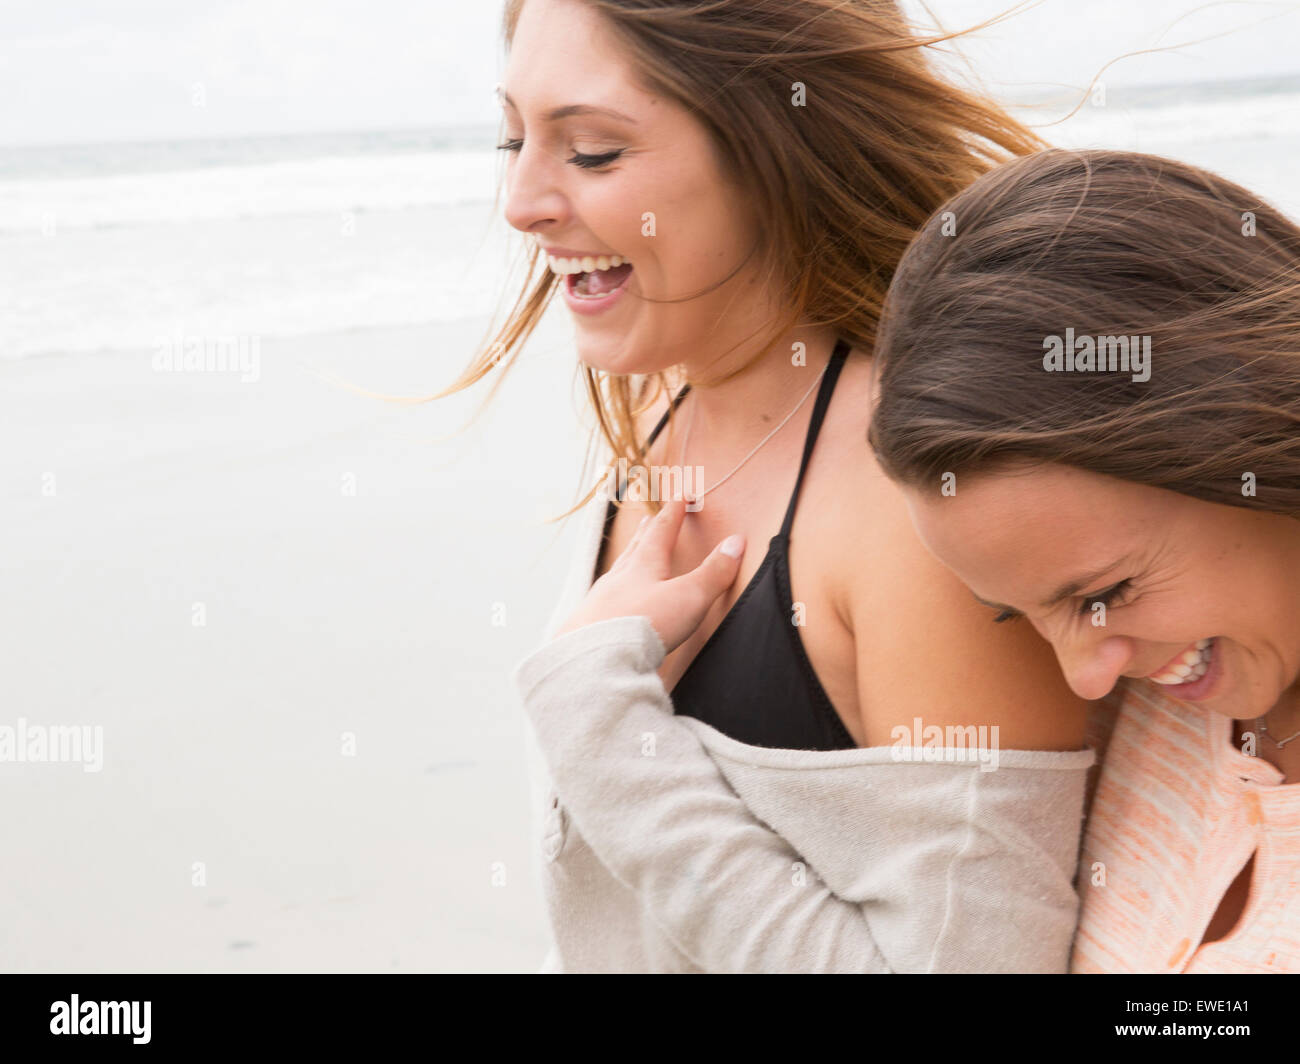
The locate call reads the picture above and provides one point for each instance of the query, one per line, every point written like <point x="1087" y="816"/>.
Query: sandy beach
<point x="294" y="613"/>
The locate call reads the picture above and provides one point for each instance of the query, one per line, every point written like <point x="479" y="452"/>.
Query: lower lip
<point x="1197" y="690"/>
<point x="587" y="305"/>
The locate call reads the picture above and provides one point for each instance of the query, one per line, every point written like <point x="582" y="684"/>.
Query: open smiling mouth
<point x="592" y="277"/>
<point x="1190" y="665"/>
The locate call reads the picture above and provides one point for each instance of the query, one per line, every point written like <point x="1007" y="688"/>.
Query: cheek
<point x="699" y="225"/>
<point x="611" y="210"/>
<point x="1195" y="589"/>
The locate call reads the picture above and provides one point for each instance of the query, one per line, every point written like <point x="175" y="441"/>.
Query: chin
<point x="615" y="354"/>
<point x="1239" y="705"/>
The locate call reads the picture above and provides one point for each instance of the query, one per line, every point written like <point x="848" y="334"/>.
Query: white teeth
<point x="1191" y="664"/>
<point x="586" y="264"/>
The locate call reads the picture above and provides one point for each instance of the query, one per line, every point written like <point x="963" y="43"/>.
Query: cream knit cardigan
<point x="666" y="846"/>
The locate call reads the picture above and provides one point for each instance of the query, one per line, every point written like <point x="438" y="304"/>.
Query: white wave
<point x="1115" y="124"/>
<point x="118" y="289"/>
<point x="338" y="185"/>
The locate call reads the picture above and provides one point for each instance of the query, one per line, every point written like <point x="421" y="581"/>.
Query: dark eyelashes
<point x="587" y="162"/>
<point x="1106" y="598"/>
<point x="590" y="162"/>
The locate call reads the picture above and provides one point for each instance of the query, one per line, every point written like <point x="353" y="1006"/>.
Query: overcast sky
<point x="85" y="70"/>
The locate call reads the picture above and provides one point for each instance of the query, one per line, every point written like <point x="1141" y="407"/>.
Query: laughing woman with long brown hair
<point x="773" y="757"/>
<point x="1134" y="496"/>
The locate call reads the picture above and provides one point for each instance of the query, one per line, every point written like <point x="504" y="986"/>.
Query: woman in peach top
<point x="1091" y="394"/>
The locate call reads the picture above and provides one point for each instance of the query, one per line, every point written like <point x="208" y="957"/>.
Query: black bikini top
<point x="752" y="679"/>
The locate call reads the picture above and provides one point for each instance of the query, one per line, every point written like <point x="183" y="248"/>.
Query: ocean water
<point x="116" y="247"/>
<point x="1248" y="131"/>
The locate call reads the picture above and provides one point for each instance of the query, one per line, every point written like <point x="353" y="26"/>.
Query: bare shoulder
<point x="923" y="646"/>
<point x="931" y="650"/>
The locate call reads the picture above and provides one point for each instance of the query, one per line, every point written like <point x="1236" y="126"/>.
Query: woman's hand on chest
<point x="640" y="583"/>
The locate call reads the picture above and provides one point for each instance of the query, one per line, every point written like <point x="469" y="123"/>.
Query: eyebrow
<point x="1065" y="591"/>
<point x="572" y="109"/>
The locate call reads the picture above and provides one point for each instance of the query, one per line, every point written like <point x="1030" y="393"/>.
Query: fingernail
<point x="733" y="546"/>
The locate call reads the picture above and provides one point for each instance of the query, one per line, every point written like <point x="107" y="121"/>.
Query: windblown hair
<point x="842" y="184"/>
<point x="1106" y="243"/>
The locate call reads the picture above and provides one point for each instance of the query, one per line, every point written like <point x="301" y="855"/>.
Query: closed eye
<point x="587" y="162"/>
<point x="1007" y="615"/>
<point x="590" y="162"/>
<point x="1106" y="598"/>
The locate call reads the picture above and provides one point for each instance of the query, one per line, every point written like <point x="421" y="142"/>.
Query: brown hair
<point x="842" y="184"/>
<point x="1109" y="244"/>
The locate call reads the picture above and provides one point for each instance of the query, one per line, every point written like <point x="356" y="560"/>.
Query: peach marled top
<point x="1178" y="811"/>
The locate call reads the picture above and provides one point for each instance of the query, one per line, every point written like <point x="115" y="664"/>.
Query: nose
<point x="1092" y="666"/>
<point x="534" y="202"/>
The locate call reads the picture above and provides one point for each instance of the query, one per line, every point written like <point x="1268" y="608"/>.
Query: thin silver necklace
<point x="691" y="424"/>
<point x="1280" y="743"/>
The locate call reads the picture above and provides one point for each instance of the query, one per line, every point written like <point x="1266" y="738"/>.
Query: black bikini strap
<point x="622" y="486"/>
<point x="833" y="368"/>
<point x="664" y="420"/>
